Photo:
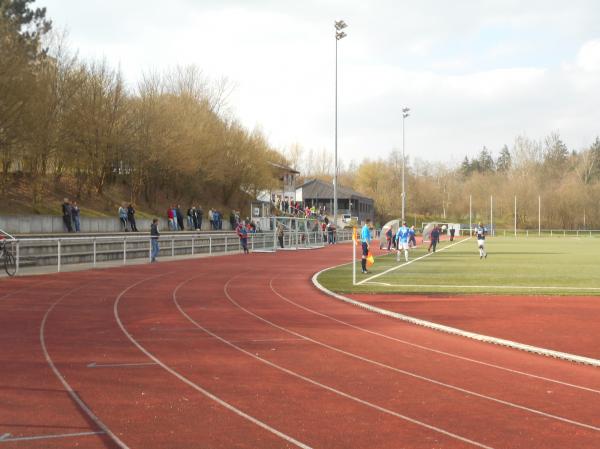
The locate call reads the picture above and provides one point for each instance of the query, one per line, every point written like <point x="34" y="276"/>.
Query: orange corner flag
<point x="354" y="239"/>
<point x="370" y="259"/>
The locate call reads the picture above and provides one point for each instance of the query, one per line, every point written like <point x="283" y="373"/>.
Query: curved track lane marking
<point x="407" y="373"/>
<point x="436" y="351"/>
<point x="318" y="384"/>
<point x="192" y="384"/>
<point x="62" y="380"/>
<point x="455" y="331"/>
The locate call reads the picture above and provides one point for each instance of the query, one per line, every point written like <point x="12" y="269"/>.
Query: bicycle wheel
<point x="10" y="265"/>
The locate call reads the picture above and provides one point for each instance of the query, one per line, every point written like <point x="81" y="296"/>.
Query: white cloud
<point x="588" y="57"/>
<point x="475" y="73"/>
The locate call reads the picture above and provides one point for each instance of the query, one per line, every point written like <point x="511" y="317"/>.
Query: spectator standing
<point x="131" y="218"/>
<point x="190" y="217"/>
<point x="211" y="218"/>
<point x="242" y="233"/>
<point x="232" y="222"/>
<point x="280" y="234"/>
<point x="452" y="232"/>
<point x="66" y="213"/>
<point x="75" y="216"/>
<point x="171" y="218"/>
<point x="123" y="217"/>
<point x="199" y="217"/>
<point x="154" y="236"/>
<point x="179" y="216"/>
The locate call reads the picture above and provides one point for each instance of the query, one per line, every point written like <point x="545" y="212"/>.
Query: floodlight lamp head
<point x="340" y="35"/>
<point x="405" y="110"/>
<point x="340" y="25"/>
<point x="406" y="114"/>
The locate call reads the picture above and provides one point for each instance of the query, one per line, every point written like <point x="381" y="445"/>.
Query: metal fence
<point x="61" y="251"/>
<point x="547" y="232"/>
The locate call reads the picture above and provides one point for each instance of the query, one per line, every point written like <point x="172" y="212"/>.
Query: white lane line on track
<point x="455" y="331"/>
<point x="389" y="270"/>
<point x="427" y="379"/>
<point x="48" y="437"/>
<point x="318" y="384"/>
<point x="408" y="373"/>
<point x="74" y="396"/>
<point x="118" y="365"/>
<point x="195" y="386"/>
<point x="436" y="351"/>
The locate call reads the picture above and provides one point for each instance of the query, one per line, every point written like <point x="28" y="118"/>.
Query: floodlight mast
<point x="339" y="34"/>
<point x="405" y="114"/>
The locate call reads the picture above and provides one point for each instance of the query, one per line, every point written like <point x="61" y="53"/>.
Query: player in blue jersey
<point x="480" y="232"/>
<point x="365" y="240"/>
<point x="402" y="239"/>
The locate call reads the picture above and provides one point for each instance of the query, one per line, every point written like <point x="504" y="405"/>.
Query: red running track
<point x="559" y="323"/>
<point x="242" y="352"/>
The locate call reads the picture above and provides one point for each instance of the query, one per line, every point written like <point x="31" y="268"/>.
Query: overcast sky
<point x="473" y="72"/>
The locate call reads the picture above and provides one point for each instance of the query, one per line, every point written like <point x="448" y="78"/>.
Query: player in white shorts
<point x="480" y="232"/>
<point x="402" y="239"/>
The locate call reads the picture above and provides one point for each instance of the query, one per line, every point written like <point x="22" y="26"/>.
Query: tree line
<point x="566" y="182"/>
<point x="78" y="123"/>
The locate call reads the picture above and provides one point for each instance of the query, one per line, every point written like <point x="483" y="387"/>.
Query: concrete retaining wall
<point x="50" y="224"/>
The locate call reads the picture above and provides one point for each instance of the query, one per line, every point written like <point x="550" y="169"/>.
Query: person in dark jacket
<point x="75" y="216"/>
<point x="179" y="217"/>
<point x="66" y="214"/>
<point x="435" y="238"/>
<point x="154" y="236"/>
<point x="131" y="218"/>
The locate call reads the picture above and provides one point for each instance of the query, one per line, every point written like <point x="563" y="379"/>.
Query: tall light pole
<point x="404" y="115"/>
<point x="339" y="34"/>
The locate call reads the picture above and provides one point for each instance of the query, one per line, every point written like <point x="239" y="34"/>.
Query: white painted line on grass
<point x="4" y="439"/>
<point x="409" y="262"/>
<point x="459" y="332"/>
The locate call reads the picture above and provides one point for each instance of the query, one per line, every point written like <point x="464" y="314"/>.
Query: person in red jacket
<point x="242" y="233"/>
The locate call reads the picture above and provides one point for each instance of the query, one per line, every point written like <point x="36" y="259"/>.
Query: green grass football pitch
<point x="524" y="266"/>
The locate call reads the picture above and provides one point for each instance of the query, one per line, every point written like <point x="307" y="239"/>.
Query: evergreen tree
<point x="486" y="162"/>
<point x="504" y="162"/>
<point x="465" y="167"/>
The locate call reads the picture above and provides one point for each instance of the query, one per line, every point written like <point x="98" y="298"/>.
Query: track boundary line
<point x="455" y="331"/>
<point x="436" y="351"/>
<point x="408" y="373"/>
<point x="195" y="386"/>
<point x="321" y="385"/>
